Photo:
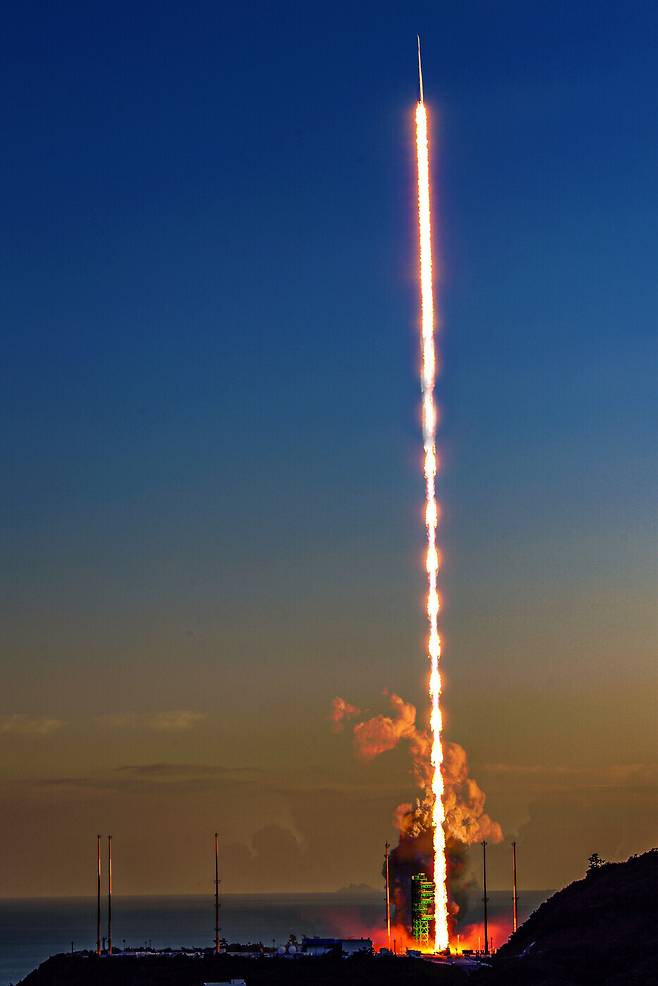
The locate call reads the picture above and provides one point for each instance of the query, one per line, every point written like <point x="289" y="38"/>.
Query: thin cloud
<point x="607" y="775"/>
<point x="21" y="724"/>
<point x="175" y="771"/>
<point x="169" y="721"/>
<point x="528" y="770"/>
<point x="142" y="779"/>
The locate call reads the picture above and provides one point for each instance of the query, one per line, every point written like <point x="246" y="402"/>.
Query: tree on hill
<point x="595" y="862"/>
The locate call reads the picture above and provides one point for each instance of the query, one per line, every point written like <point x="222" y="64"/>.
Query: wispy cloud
<point x="169" y="721"/>
<point x="531" y="769"/>
<point x="21" y="724"/>
<point x="143" y="779"/>
<point x="176" y="771"/>
<point x="607" y="775"/>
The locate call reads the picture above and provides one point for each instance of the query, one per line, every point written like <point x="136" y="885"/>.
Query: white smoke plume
<point x="464" y="799"/>
<point x="381" y="733"/>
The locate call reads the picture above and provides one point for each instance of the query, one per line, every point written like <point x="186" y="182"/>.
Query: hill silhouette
<point x="600" y="930"/>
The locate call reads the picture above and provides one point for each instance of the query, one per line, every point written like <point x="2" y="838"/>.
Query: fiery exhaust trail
<point x="428" y="377"/>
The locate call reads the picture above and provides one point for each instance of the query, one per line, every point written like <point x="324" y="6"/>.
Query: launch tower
<point x="422" y="908"/>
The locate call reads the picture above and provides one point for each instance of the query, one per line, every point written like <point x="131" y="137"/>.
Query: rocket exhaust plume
<point x="450" y="813"/>
<point x="466" y="821"/>
<point x="428" y="378"/>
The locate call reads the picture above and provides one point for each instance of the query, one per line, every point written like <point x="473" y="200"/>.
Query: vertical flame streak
<point x="428" y="376"/>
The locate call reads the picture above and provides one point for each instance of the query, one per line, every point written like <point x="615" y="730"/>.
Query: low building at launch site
<point x="337" y="946"/>
<point x="422" y="908"/>
<point x="229" y="982"/>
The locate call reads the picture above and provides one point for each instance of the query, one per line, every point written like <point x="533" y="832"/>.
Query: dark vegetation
<point x="599" y="931"/>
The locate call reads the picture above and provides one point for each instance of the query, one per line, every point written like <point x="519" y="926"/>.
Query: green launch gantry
<point x="422" y="908"/>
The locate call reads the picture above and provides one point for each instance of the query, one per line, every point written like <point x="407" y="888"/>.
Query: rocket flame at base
<point x="428" y="376"/>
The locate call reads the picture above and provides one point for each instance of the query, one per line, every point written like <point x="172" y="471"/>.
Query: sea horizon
<point x="240" y="893"/>
<point x="34" y="928"/>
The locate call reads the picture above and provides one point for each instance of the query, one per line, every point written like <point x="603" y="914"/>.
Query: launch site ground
<point x="598" y="931"/>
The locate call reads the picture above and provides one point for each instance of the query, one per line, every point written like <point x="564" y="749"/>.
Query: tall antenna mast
<point x="98" y="897"/>
<point x="109" y="895"/>
<point x="217" y="940"/>
<point x="388" y="896"/>
<point x="515" y="921"/>
<point x="485" y="899"/>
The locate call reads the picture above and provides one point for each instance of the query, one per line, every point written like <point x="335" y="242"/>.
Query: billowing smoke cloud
<point x="464" y="800"/>
<point x="340" y="711"/>
<point x="465" y="815"/>
<point x="382" y="733"/>
<point x="466" y="820"/>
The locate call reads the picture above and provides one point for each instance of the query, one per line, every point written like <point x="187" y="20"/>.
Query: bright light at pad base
<point x="428" y="378"/>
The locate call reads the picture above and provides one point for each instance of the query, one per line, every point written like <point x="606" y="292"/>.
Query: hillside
<point x="600" y="930"/>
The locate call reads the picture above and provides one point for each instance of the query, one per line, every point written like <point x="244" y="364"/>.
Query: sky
<point x="211" y="514"/>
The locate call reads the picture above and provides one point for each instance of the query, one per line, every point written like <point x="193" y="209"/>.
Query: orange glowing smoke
<point x="340" y="711"/>
<point x="471" y="936"/>
<point x="428" y="377"/>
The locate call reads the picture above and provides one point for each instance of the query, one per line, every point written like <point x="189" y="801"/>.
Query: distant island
<point x="357" y="890"/>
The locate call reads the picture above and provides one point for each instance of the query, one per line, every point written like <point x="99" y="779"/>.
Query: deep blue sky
<point x="209" y="366"/>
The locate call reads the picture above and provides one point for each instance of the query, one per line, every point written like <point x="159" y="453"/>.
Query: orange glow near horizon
<point x="471" y="936"/>
<point x="428" y="378"/>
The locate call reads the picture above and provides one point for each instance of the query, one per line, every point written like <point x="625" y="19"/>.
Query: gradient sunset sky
<point x="212" y="500"/>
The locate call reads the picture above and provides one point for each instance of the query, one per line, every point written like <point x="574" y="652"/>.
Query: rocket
<point x="420" y="73"/>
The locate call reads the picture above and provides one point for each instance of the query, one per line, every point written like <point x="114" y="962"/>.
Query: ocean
<point x="32" y="930"/>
